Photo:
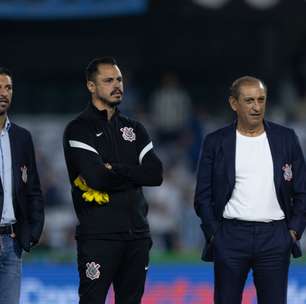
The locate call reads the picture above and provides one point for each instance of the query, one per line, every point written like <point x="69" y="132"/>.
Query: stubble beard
<point x="112" y="104"/>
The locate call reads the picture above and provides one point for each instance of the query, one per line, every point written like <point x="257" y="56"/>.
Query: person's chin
<point x="3" y="110"/>
<point x="256" y="119"/>
<point x="115" y="103"/>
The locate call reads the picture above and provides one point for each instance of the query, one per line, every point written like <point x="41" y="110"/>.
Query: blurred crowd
<point x="177" y="125"/>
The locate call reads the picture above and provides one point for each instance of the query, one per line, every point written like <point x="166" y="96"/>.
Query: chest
<point x="116" y="142"/>
<point x="5" y="156"/>
<point x="253" y="157"/>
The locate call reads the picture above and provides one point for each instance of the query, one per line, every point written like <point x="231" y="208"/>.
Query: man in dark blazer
<point x="251" y="198"/>
<point x="21" y="203"/>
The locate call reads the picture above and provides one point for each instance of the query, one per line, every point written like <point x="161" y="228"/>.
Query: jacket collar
<point x="91" y="111"/>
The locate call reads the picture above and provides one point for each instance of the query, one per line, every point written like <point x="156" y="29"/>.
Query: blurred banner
<point x="257" y="4"/>
<point x="171" y="284"/>
<point x="54" y="9"/>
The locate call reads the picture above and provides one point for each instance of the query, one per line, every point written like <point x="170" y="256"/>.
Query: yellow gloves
<point x="90" y="194"/>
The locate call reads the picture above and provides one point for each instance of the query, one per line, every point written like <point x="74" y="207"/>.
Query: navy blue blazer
<point x="27" y="196"/>
<point x="216" y="179"/>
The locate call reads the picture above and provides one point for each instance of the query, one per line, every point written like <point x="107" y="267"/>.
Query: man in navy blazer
<point x="251" y="198"/>
<point x="21" y="203"/>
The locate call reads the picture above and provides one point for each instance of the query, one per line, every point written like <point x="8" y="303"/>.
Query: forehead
<point x="108" y="70"/>
<point x="252" y="89"/>
<point x="5" y="79"/>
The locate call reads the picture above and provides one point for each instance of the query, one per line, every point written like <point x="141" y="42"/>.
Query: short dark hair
<point x="245" y="80"/>
<point x="5" y="71"/>
<point x="92" y="68"/>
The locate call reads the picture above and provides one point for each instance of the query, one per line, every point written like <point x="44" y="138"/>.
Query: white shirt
<point x="254" y="196"/>
<point x="8" y="215"/>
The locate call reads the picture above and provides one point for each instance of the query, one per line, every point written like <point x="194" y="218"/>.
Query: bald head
<point x="245" y="81"/>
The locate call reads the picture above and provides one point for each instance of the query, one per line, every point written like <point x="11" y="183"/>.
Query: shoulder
<point x="279" y="129"/>
<point x="20" y="131"/>
<point x="220" y="133"/>
<point x="77" y="125"/>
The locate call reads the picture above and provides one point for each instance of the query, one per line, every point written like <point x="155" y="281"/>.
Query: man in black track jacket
<point x="109" y="158"/>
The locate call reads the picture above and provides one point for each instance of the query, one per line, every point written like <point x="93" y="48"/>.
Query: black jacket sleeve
<point x="83" y="159"/>
<point x="149" y="170"/>
<point x="34" y="195"/>
<point x="203" y="202"/>
<point x="297" y="221"/>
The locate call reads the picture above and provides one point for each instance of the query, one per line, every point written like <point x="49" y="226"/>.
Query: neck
<point x="102" y="106"/>
<point x="248" y="131"/>
<point x="2" y="120"/>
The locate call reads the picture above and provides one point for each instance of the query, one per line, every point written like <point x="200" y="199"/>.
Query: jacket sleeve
<point x="82" y="157"/>
<point x="148" y="172"/>
<point x="34" y="195"/>
<point x="203" y="202"/>
<point x="297" y="221"/>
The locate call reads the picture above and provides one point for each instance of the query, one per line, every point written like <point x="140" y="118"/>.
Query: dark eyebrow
<point x="108" y="78"/>
<point x="248" y="97"/>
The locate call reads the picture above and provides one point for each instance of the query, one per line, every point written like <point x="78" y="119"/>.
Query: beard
<point x="110" y="103"/>
<point x="5" y="107"/>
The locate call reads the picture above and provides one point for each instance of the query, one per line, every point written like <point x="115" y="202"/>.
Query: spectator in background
<point x="21" y="202"/>
<point x="171" y="108"/>
<point x="165" y="213"/>
<point x="299" y="69"/>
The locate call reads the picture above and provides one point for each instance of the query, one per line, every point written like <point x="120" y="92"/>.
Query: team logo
<point x="24" y="174"/>
<point x="287" y="172"/>
<point x="128" y="134"/>
<point x="92" y="270"/>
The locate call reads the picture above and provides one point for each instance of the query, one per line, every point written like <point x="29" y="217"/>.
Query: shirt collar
<point x="7" y="124"/>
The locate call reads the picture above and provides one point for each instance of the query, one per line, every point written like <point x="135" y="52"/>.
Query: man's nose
<point x="256" y="105"/>
<point x="3" y="92"/>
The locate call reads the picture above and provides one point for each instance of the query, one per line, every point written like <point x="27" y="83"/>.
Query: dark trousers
<point x="240" y="246"/>
<point x="103" y="262"/>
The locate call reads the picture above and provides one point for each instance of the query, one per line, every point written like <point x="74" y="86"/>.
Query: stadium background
<point x="178" y="58"/>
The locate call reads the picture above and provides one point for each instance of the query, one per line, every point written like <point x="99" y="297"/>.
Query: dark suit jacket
<point x="27" y="196"/>
<point x="216" y="179"/>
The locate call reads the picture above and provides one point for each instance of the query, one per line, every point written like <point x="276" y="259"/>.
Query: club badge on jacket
<point x="287" y="172"/>
<point x="128" y="134"/>
<point x="24" y="174"/>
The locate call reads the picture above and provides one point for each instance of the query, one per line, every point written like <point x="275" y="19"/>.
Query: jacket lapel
<point x="14" y="151"/>
<point x="275" y="149"/>
<point x="229" y="150"/>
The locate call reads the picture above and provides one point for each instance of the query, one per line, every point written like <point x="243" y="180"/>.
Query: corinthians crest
<point x="287" y="172"/>
<point x="92" y="270"/>
<point x="128" y="134"/>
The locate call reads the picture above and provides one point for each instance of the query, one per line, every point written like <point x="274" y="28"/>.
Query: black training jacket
<point x="90" y="141"/>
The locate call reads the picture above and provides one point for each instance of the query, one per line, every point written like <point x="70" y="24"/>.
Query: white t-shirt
<point x="254" y="196"/>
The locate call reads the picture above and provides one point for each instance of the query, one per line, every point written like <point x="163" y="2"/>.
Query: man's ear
<point x="233" y="103"/>
<point x="91" y="86"/>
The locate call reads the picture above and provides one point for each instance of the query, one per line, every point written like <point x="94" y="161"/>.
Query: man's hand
<point x="293" y="234"/>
